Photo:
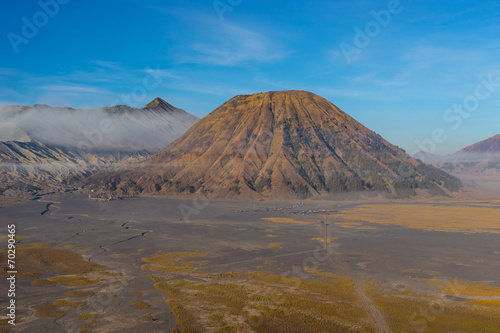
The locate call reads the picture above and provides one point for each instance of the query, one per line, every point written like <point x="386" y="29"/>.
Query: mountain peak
<point x="278" y="145"/>
<point x="159" y="103"/>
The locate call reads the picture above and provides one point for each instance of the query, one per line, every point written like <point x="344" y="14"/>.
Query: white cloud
<point x="233" y="45"/>
<point x="339" y="92"/>
<point x="210" y="89"/>
<point x="221" y="43"/>
<point x="73" y="89"/>
<point x="9" y="72"/>
<point x="425" y="56"/>
<point x="400" y="80"/>
<point x="107" y="64"/>
<point x="161" y="72"/>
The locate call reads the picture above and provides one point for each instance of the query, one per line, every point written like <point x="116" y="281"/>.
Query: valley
<point x="235" y="166"/>
<point x="235" y="264"/>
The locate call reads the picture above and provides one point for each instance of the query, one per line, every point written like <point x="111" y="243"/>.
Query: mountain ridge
<point x="482" y="157"/>
<point x="101" y="129"/>
<point x="280" y="144"/>
<point x="44" y="148"/>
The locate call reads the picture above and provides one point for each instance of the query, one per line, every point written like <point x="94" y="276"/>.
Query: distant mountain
<point x="284" y="144"/>
<point x="44" y="148"/>
<point x="159" y="104"/>
<point x="486" y="148"/>
<point x="118" y="128"/>
<point x="28" y="167"/>
<point x="482" y="158"/>
<point x="430" y="158"/>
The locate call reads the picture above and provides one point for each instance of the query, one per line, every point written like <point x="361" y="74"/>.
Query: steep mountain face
<point x="27" y="167"/>
<point x="480" y="159"/>
<point x="279" y="144"/>
<point x="45" y="148"/>
<point x="119" y="128"/>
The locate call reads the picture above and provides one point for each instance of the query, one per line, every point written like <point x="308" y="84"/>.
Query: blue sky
<point x="402" y="79"/>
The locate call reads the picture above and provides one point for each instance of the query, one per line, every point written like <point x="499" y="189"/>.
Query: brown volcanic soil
<point x="234" y="236"/>
<point x="279" y="145"/>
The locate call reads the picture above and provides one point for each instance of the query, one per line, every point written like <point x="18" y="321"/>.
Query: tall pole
<point x="326" y="234"/>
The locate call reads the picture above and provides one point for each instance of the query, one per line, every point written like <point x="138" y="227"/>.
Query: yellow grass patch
<point x="148" y="317"/>
<point x="116" y="255"/>
<point x="407" y="312"/>
<point x="259" y="302"/>
<point x="274" y="245"/>
<point x="322" y="239"/>
<point x="35" y="258"/>
<point x="353" y="225"/>
<point x="350" y="225"/>
<point x="171" y="258"/>
<point x="79" y="293"/>
<point x="73" y="280"/>
<point x="45" y="283"/>
<point x="173" y="262"/>
<point x="428" y="217"/>
<point x="321" y="273"/>
<point x="86" y="316"/>
<point x="141" y="305"/>
<point x="57" y="308"/>
<point x="49" y="310"/>
<point x="6" y="238"/>
<point x="285" y="220"/>
<point x="64" y="303"/>
<point x="32" y="245"/>
<point x="484" y="302"/>
<point x="465" y="288"/>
